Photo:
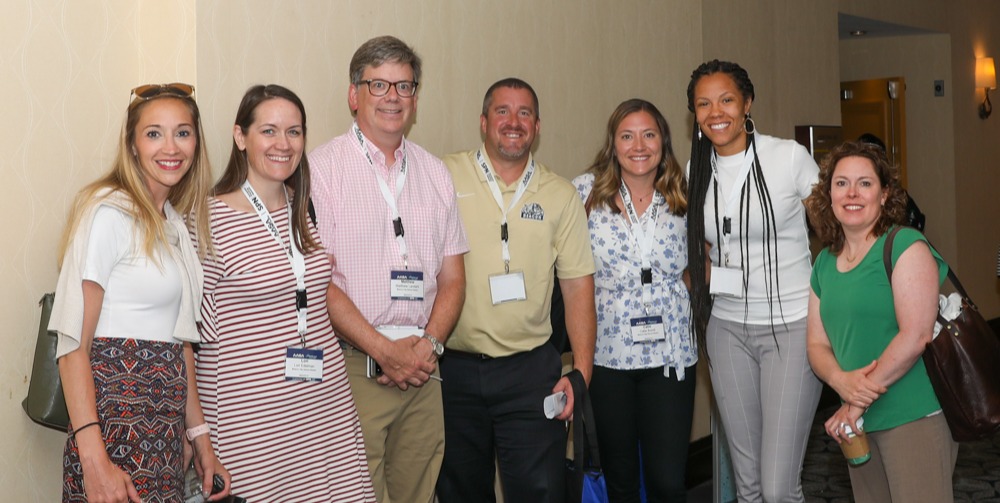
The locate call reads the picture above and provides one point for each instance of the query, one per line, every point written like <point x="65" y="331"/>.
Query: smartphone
<point x="374" y="370"/>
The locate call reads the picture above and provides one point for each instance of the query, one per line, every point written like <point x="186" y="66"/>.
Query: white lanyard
<point x="644" y="238"/>
<point x="733" y="201"/>
<point x="293" y="253"/>
<point x="390" y="199"/>
<point x="491" y="180"/>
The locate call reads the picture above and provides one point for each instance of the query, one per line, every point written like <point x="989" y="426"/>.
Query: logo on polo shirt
<point x="533" y="211"/>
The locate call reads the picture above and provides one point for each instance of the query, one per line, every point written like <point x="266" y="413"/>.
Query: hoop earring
<point x="749" y="126"/>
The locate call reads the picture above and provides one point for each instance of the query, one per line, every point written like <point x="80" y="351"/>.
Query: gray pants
<point x="767" y="396"/>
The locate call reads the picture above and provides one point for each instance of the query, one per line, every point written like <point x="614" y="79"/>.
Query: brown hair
<point x="608" y="172"/>
<point x="238" y="166"/>
<point x="820" y="207"/>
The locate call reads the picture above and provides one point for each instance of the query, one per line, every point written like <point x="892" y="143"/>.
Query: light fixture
<point x="986" y="78"/>
<point x="858" y="33"/>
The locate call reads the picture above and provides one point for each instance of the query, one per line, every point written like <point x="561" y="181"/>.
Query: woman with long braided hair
<point x="749" y="263"/>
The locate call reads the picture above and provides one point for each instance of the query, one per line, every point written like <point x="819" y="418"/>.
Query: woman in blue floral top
<point x="644" y="364"/>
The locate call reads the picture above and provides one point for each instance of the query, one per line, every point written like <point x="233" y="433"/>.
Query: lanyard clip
<point x="727" y="225"/>
<point x="301" y="301"/>
<point x="397" y="226"/>
<point x="647" y="276"/>
<point x="503" y="231"/>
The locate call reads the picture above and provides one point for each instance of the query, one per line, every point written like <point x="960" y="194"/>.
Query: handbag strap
<point x="584" y="429"/>
<point x="887" y="263"/>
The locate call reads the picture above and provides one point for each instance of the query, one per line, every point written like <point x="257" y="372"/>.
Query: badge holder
<point x="727" y="281"/>
<point x="507" y="287"/>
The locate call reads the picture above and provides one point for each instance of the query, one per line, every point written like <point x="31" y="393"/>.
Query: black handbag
<point x="963" y="364"/>
<point x="584" y="478"/>
<point x="45" y="403"/>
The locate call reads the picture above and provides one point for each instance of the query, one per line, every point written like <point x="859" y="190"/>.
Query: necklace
<point x="861" y="252"/>
<point x="647" y="196"/>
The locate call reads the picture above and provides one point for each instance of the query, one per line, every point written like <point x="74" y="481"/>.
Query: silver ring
<point x="843" y="425"/>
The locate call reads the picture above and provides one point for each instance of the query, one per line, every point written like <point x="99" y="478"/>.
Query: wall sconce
<point x="986" y="78"/>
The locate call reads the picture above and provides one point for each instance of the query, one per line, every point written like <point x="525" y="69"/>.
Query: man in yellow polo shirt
<point x="524" y="223"/>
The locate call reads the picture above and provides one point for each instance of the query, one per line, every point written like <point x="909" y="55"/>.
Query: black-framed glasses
<point x="150" y="91"/>
<point x="379" y="87"/>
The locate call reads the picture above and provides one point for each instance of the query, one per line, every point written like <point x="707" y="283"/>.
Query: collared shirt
<point x="547" y="231"/>
<point x="355" y="224"/>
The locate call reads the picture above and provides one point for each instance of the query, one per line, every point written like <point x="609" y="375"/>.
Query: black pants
<point x="636" y="408"/>
<point x="493" y="410"/>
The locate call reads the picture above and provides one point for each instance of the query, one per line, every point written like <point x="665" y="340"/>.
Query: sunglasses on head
<point x="150" y="91"/>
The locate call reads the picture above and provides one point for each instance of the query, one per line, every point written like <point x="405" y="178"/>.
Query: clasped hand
<point x="856" y="388"/>
<point x="409" y="362"/>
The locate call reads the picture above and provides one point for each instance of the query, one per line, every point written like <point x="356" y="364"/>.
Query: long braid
<point x="769" y="245"/>
<point x="699" y="177"/>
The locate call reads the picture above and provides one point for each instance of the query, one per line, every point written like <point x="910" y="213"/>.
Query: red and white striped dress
<point x="282" y="441"/>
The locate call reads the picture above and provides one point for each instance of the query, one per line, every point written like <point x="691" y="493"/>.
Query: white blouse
<point x="618" y="288"/>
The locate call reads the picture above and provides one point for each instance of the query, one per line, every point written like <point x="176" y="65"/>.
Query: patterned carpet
<point x="825" y="478"/>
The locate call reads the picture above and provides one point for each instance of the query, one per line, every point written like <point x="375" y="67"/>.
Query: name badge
<point x="406" y="285"/>
<point x="303" y="364"/>
<point x="647" y="328"/>
<point x="726" y="281"/>
<point x="507" y="287"/>
<point x="397" y="332"/>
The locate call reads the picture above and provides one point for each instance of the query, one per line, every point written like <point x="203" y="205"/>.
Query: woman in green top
<point x="865" y="335"/>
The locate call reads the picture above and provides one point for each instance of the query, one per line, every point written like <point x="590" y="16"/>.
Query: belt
<point x="467" y="355"/>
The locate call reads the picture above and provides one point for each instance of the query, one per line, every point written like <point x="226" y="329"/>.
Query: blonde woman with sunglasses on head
<point x="126" y="308"/>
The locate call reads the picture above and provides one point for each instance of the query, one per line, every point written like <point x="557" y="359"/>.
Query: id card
<point x="727" y="281"/>
<point x="397" y="332"/>
<point x="406" y="285"/>
<point x="507" y="287"/>
<point x="302" y="364"/>
<point x="647" y="328"/>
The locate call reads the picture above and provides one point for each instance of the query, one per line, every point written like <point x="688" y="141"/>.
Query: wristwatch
<point x="435" y="344"/>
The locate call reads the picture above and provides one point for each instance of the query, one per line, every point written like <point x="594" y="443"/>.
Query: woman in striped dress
<point x="125" y="311"/>
<point x="270" y="369"/>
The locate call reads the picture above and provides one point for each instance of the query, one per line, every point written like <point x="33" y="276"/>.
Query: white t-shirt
<point x="790" y="173"/>
<point x="141" y="298"/>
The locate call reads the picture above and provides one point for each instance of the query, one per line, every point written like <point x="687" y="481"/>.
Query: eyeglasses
<point x="379" y="87"/>
<point x="150" y="91"/>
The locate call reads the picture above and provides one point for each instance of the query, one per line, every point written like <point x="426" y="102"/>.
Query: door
<point x="877" y="106"/>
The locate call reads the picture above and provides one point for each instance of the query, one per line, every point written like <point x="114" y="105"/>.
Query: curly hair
<point x="607" y="171"/>
<point x="819" y="205"/>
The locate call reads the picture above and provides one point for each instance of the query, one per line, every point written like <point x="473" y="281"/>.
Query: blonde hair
<point x="188" y="197"/>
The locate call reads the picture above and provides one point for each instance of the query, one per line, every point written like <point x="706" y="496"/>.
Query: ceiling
<point x="873" y="28"/>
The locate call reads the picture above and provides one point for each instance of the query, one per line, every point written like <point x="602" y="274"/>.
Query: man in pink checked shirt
<point x="387" y="216"/>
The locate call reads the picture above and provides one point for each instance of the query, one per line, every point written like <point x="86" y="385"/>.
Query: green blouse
<point x="860" y="320"/>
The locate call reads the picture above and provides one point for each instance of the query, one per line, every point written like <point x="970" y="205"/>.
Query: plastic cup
<point x="857" y="452"/>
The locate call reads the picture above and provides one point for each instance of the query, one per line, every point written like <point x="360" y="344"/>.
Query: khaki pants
<point x="404" y="434"/>
<point x="911" y="462"/>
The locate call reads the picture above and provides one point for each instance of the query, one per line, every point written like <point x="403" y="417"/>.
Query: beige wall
<point x="67" y="67"/>
<point x="960" y="180"/>
<point x="920" y="60"/>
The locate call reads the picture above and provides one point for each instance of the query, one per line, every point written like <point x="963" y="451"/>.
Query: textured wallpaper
<point x="66" y="68"/>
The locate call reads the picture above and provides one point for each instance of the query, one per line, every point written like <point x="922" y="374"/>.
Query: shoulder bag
<point x="45" y="403"/>
<point x="963" y="364"/>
